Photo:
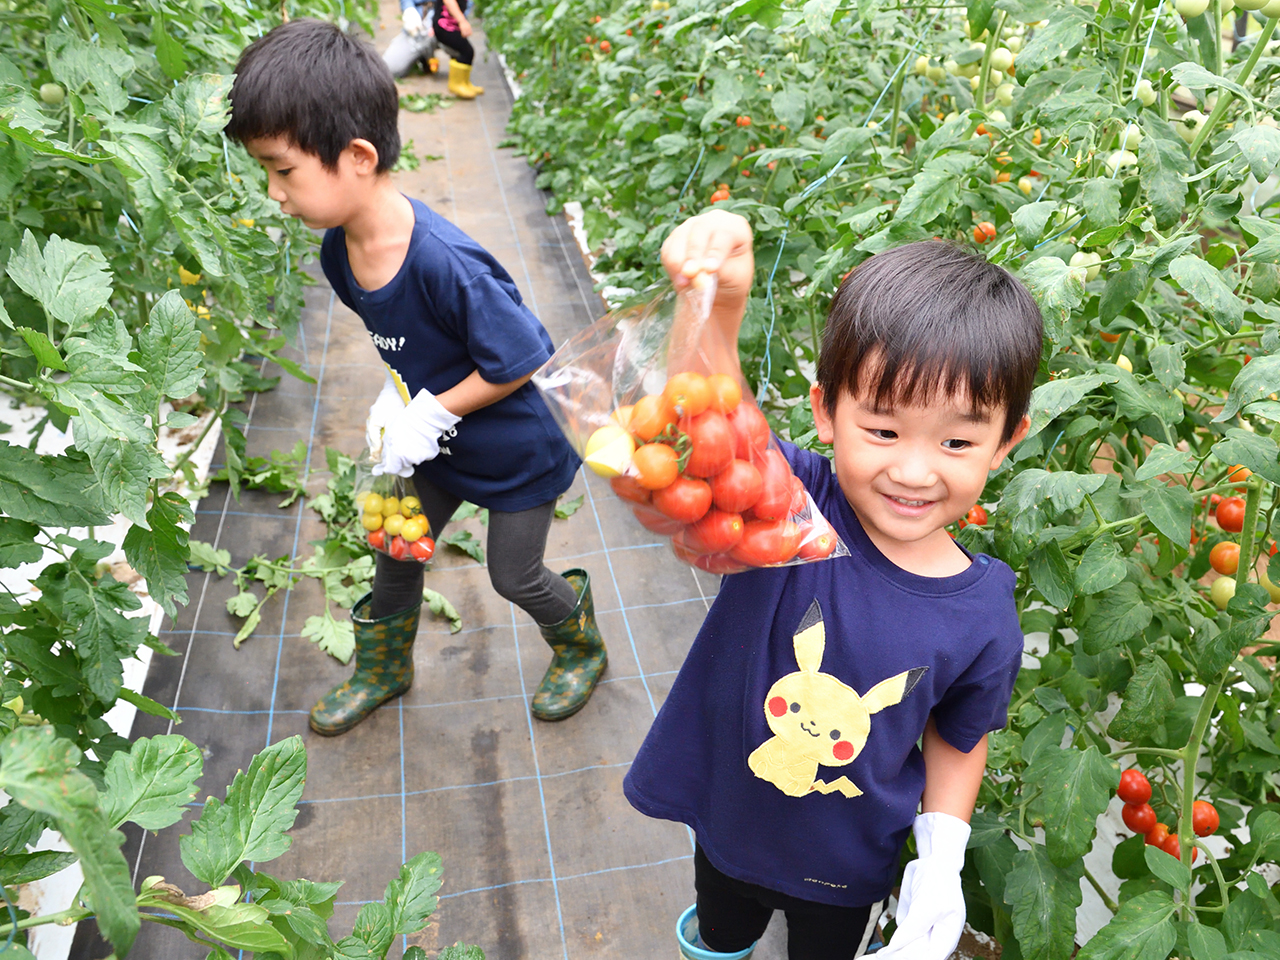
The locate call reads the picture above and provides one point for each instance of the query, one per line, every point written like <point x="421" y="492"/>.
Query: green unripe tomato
<point x="936" y="72"/>
<point x="1014" y="44"/>
<point x="952" y="67"/>
<point x="1145" y="93"/>
<point x="1130" y="137"/>
<point x="1190" y="9"/>
<point x="1189" y="125"/>
<point x="1251" y="4"/>
<point x="1271" y="9"/>
<point x="1271" y="588"/>
<point x="1001" y="59"/>
<point x="1223" y="589"/>
<point x="922" y="65"/>
<point x="1090" y="261"/>
<point x="52" y="93"/>
<point x="1119" y="160"/>
<point x="1025" y="185"/>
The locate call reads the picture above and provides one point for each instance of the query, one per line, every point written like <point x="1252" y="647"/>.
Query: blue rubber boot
<point x="691" y="947"/>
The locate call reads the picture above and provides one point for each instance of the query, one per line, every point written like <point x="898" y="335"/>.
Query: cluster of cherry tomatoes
<point x="1135" y="791"/>
<point x="396" y="526"/>
<point x="701" y="471"/>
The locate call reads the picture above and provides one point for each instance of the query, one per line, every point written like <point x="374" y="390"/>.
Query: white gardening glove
<point x="931" y="905"/>
<point x="411" y="20"/>
<point x="413" y="435"/>
<point x="384" y="408"/>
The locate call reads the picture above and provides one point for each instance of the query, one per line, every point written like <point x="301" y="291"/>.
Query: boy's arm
<point x="715" y="242"/>
<point x="931" y="908"/>
<point x="475" y="392"/>
<point x="951" y="777"/>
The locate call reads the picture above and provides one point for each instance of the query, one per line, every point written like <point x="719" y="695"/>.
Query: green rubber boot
<point x="580" y="656"/>
<point x="384" y="669"/>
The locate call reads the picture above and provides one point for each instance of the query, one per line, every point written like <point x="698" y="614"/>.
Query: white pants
<point x="405" y="50"/>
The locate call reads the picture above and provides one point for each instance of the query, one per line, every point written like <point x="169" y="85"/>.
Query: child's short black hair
<point x="931" y="316"/>
<point x="309" y="82"/>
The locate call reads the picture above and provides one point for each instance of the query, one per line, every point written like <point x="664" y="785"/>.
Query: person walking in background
<point x="452" y="30"/>
<point x="416" y="41"/>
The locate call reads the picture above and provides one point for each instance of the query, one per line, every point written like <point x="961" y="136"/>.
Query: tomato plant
<point x="1139" y="212"/>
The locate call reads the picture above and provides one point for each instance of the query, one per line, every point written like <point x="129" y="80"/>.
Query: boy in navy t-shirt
<point x="822" y="705"/>
<point x="318" y="109"/>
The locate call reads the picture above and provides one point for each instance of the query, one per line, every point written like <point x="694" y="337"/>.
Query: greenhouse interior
<point x="521" y="480"/>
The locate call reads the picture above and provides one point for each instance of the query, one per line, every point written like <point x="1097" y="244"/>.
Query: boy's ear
<point x="364" y="156"/>
<point x="1019" y="432"/>
<point x="822" y="420"/>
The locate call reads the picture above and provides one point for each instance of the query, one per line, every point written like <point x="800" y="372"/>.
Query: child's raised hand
<point x="716" y="242"/>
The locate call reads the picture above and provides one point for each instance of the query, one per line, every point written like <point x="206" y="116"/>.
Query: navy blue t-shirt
<point x="789" y="740"/>
<point x="450" y="310"/>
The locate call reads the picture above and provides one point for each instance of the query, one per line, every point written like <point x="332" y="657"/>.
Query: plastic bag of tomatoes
<point x="391" y="514"/>
<point x="683" y="444"/>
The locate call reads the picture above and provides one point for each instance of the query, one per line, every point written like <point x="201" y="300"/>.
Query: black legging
<point x="733" y="914"/>
<point x="458" y="45"/>
<point x="517" y="542"/>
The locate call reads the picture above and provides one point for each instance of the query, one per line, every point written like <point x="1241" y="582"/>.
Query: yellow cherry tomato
<point x="394" y="525"/>
<point x="372" y="521"/>
<point x="372" y="503"/>
<point x="1223" y="589"/>
<point x="390" y="505"/>
<point x="410" y="506"/>
<point x="414" y="528"/>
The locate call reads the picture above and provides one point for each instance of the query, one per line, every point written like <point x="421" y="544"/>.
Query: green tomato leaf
<point x="1076" y="786"/>
<point x="335" y="637"/>
<point x="1167" y="363"/>
<point x="17" y="542"/>
<point x="46" y="353"/>
<point x="169" y="346"/>
<point x="1101" y="202"/>
<point x="1142" y="930"/>
<point x="374" y="927"/>
<point x="458" y="951"/>
<point x="72" y="281"/>
<point x="251" y="823"/>
<point x="1050" y="400"/>
<point x="1261" y="147"/>
<point x="1198" y="78"/>
<point x="1163" y="459"/>
<point x="1058" y="289"/>
<point x="1171" y="510"/>
<point x="39" y="771"/>
<point x="170" y="54"/>
<point x="205" y="557"/>
<point x="1260" y="454"/>
<point x="21" y="868"/>
<point x="1119" y="615"/>
<point x="160" y="554"/>
<point x="410" y="898"/>
<point x="1043" y="898"/>
<point x="1209" y="290"/>
<point x="1257" y="379"/>
<point x="151" y="783"/>
<point x="818" y="14"/>
<point x="935" y="188"/>
<point x="1067" y="29"/>
<point x="1147" y="700"/>
<point x="1162" y="161"/>
<point x="1100" y="567"/>
<point x="1052" y="574"/>
<point x="1030" y="219"/>
<point x="790" y="105"/>
<point x="1121" y="290"/>
<point x="1028" y="494"/>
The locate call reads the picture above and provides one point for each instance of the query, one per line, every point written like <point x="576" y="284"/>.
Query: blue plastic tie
<point x="692" y="173"/>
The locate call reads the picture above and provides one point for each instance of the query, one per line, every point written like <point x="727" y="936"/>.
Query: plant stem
<point x="1225" y="98"/>
<point x="1097" y="888"/>
<point x="897" y="107"/>
<point x="68" y="916"/>
<point x="1215" y="14"/>
<point x="1146" y="751"/>
<point x="984" y="74"/>
<point x="1135" y="17"/>
<point x="186" y="455"/>
<point x="1249" y="533"/>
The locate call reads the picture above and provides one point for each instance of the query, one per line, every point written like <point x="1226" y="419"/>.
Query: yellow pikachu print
<point x="816" y="719"/>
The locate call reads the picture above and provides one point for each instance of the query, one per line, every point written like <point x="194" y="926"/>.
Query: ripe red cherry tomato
<point x="422" y="548"/>
<point x="1134" y="788"/>
<point x="766" y="542"/>
<point x="774" y="502"/>
<point x="717" y="563"/>
<point x="712" y="443"/>
<point x="750" y="430"/>
<point x="686" y="500"/>
<point x="628" y="488"/>
<point x="1172" y="848"/>
<point x="986" y="230"/>
<point x="1225" y="557"/>
<point x="1230" y="514"/>
<point x="378" y="539"/>
<point x="819" y="540"/>
<point x="656" y="522"/>
<point x="1139" y="817"/>
<point x="976" y="515"/>
<point x="1158" y="835"/>
<point x="1204" y="818"/>
<point x="737" y="487"/>
<point x="799" y="497"/>
<point x="399" y="548"/>
<point x="716" y="532"/>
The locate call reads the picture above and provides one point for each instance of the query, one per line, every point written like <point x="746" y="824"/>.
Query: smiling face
<point x="819" y="718"/>
<point x="910" y="470"/>
<point x="305" y="188"/>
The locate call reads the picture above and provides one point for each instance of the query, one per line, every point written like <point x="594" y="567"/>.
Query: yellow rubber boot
<point x="460" y="84"/>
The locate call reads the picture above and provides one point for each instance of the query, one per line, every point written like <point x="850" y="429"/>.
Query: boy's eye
<point x="884" y="434"/>
<point x="956" y="444"/>
<point x="285" y="172"/>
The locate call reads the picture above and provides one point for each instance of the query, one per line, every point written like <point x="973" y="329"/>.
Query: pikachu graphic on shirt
<point x="818" y="720"/>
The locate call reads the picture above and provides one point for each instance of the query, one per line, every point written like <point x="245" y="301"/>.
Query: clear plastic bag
<point x="646" y="397"/>
<point x="391" y="513"/>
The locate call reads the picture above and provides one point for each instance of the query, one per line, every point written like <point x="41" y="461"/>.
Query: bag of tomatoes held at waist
<point x="683" y="444"/>
<point x="391" y="514"/>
